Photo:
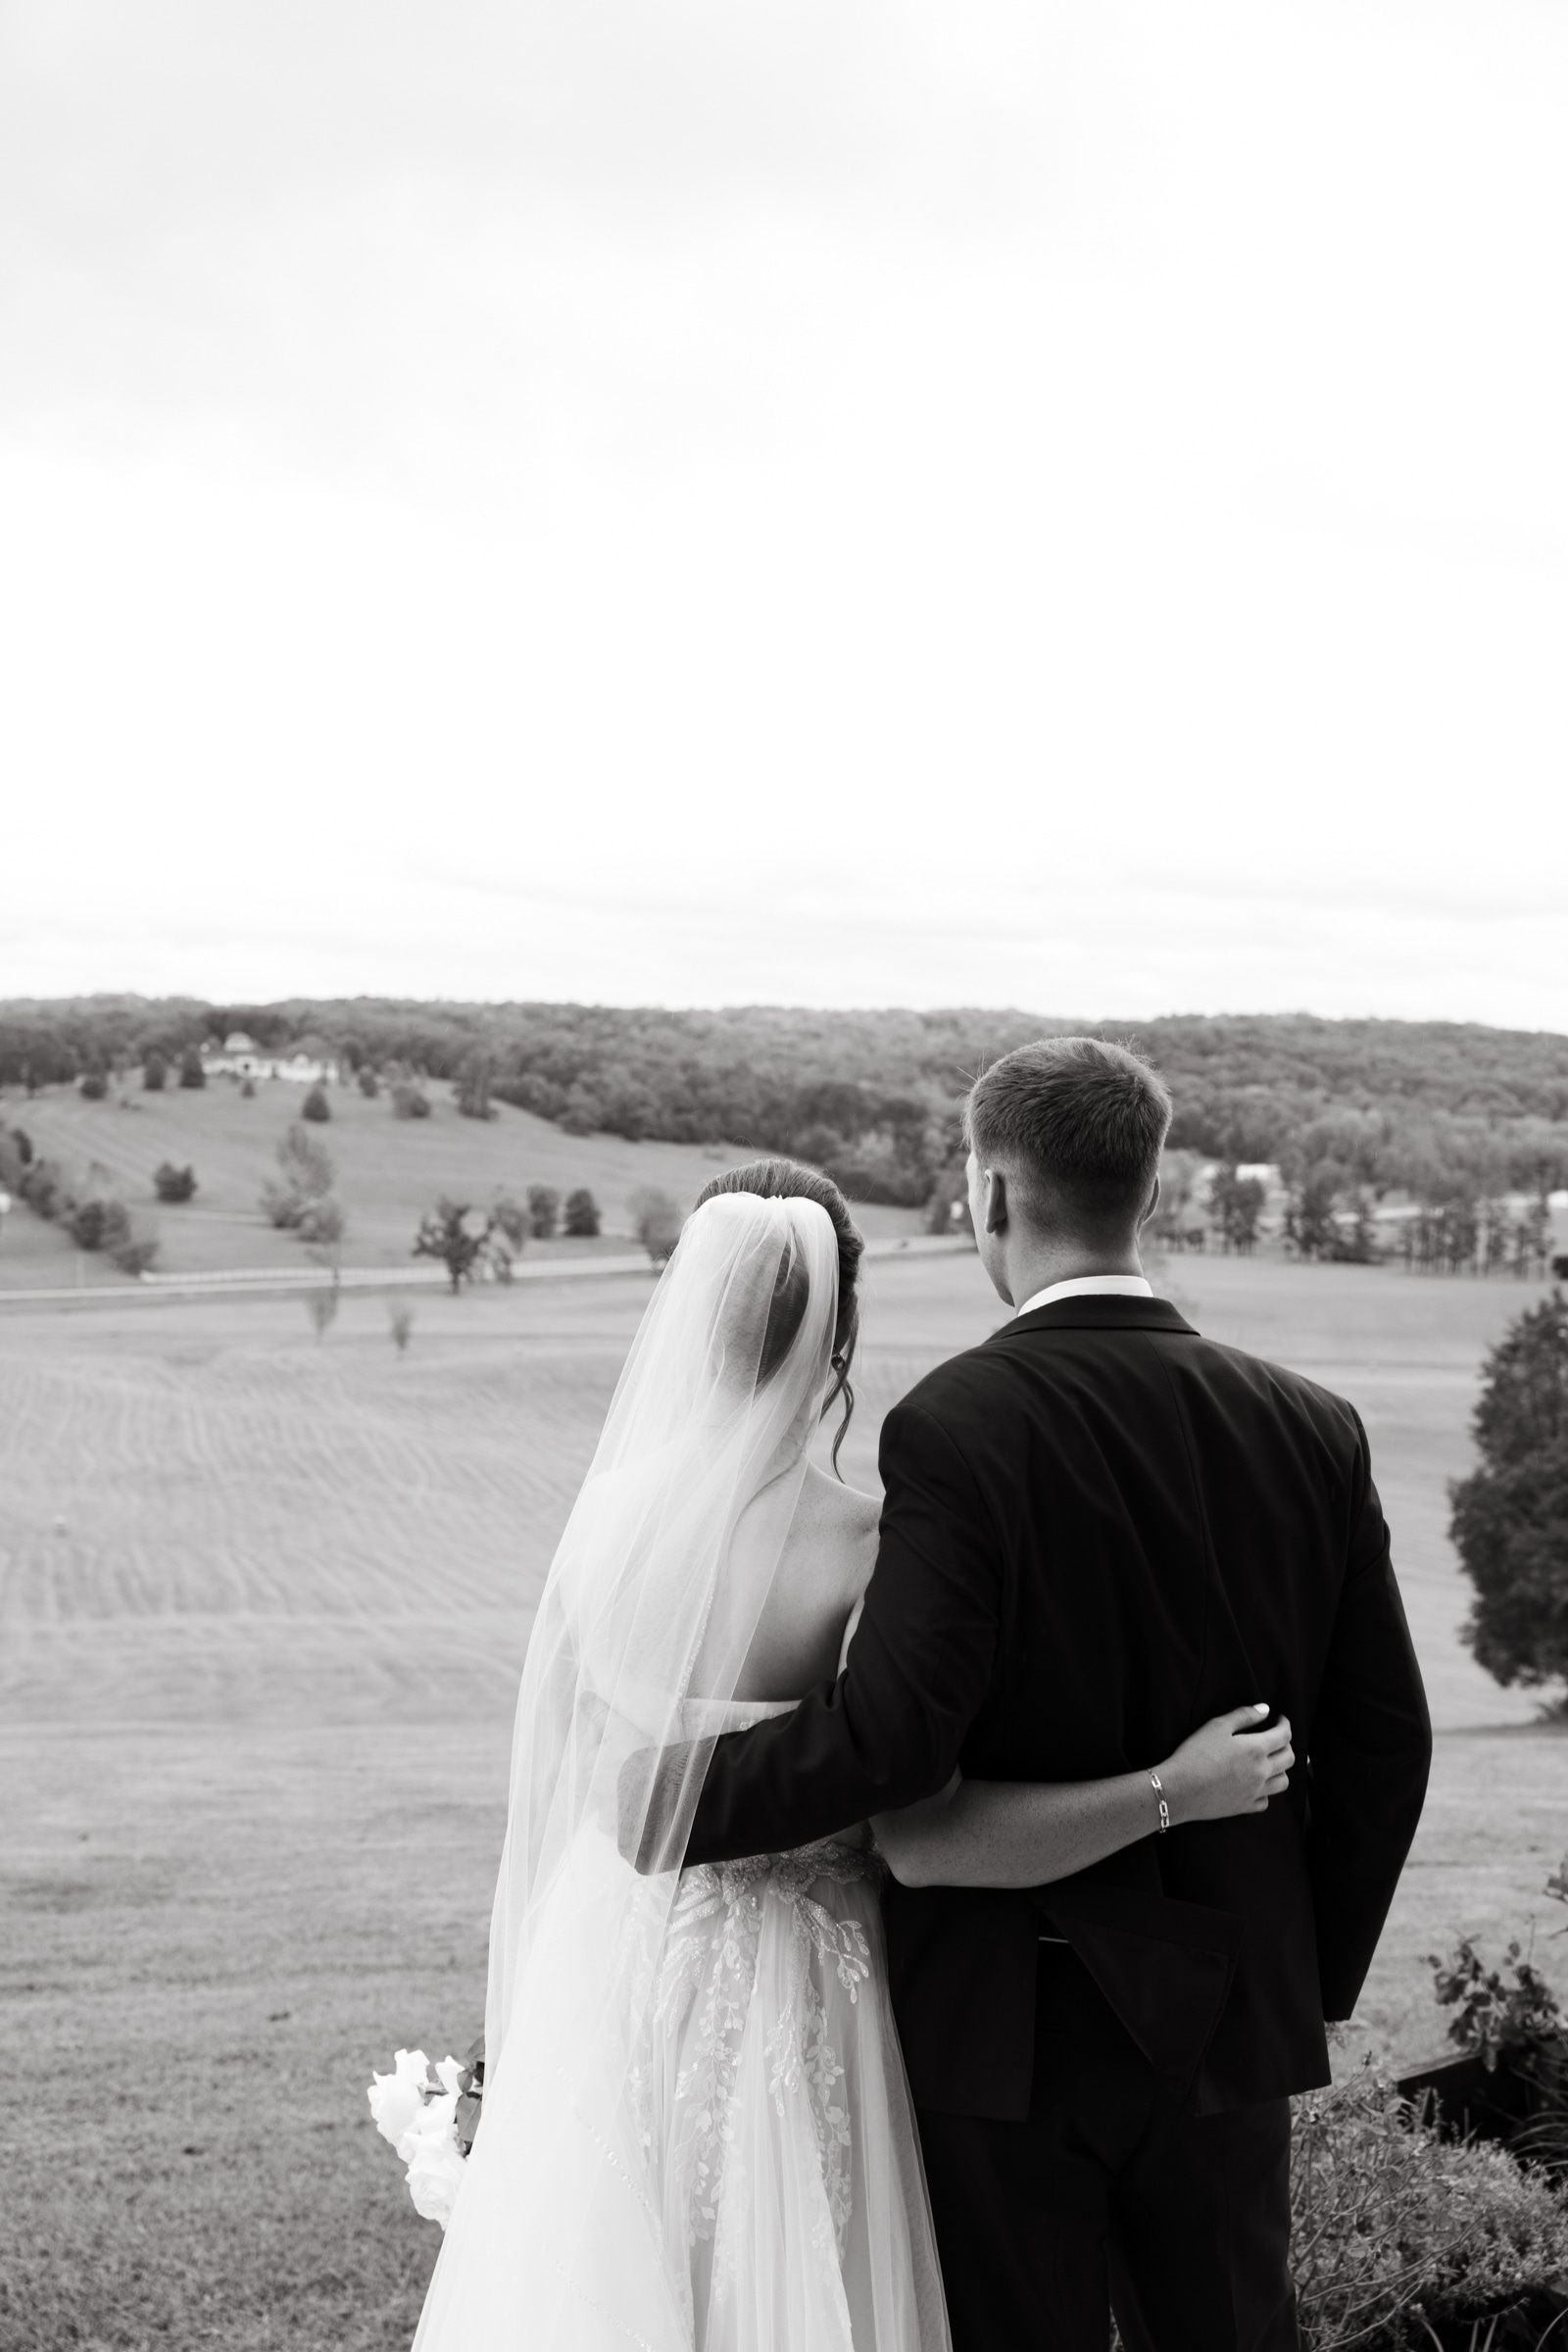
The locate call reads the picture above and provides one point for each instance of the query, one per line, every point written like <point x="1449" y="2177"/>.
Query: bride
<point x="697" y="2134"/>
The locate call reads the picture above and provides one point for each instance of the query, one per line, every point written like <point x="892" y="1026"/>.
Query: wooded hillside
<point x="1442" y="1109"/>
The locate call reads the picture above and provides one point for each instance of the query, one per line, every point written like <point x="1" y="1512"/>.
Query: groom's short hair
<point x="1077" y="1126"/>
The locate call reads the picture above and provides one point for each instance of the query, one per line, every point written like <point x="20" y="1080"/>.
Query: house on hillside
<point x="240" y="1056"/>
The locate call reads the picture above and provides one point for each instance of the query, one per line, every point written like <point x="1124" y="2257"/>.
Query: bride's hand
<point x="1226" y="1767"/>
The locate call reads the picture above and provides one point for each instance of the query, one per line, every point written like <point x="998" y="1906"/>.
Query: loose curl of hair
<point x="787" y="1180"/>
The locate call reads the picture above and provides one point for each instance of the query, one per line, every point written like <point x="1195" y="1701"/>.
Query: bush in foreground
<point x="191" y="1072"/>
<point x="1511" y="1516"/>
<point x="1513" y="2023"/>
<point x="155" y="1073"/>
<point x="409" y="1101"/>
<point x="316" y="1106"/>
<point x="543" y="1202"/>
<point x="1395" y="2231"/>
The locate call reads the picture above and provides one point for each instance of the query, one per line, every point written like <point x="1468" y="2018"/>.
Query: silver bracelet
<point x="1165" y="1809"/>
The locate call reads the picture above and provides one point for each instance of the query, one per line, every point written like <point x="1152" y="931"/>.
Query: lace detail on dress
<point x="707" y="1980"/>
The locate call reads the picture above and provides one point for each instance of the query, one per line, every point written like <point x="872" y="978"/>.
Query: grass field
<point x="263" y="1603"/>
<point x="389" y="1172"/>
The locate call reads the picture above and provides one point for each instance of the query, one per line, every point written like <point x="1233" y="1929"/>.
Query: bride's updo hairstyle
<point x="787" y="1180"/>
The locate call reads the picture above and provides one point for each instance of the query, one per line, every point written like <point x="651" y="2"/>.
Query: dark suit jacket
<point x="1100" y="1530"/>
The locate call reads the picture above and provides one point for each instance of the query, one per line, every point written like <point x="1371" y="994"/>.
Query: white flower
<point x="415" y="2108"/>
<point x="396" y="2099"/>
<point x="435" y="2169"/>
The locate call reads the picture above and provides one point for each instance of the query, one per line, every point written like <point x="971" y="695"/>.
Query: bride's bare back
<point x="823" y="1569"/>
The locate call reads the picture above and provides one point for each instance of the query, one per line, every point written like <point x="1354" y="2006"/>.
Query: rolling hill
<point x="389" y="1172"/>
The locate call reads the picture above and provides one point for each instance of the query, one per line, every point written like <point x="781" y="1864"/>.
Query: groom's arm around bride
<point x="1101" y="1530"/>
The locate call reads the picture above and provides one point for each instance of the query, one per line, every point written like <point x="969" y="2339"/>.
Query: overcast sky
<point x="696" y="501"/>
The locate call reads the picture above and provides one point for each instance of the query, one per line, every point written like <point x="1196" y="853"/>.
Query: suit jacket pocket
<point x="1166" y="1967"/>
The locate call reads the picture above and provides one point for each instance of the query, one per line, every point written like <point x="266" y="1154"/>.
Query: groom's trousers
<point x="1110" y="2193"/>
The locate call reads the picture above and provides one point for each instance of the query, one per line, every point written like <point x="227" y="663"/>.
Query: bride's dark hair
<point x="787" y="1180"/>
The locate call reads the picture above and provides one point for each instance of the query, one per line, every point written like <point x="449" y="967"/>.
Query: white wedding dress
<point x="698" y="2135"/>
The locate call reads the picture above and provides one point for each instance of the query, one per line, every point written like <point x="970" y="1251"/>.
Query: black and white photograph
<point x="784" y="1176"/>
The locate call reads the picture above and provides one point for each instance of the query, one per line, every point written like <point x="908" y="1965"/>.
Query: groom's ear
<point x="1154" y="1204"/>
<point x="995" y="1201"/>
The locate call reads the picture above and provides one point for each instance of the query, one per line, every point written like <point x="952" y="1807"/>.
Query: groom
<point x="1100" y="1530"/>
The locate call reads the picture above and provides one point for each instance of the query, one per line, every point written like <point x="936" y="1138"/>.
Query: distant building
<point x="240" y="1056"/>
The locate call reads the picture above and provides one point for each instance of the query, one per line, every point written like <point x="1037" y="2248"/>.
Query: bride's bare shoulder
<point x="836" y="1503"/>
<point x="842" y="1521"/>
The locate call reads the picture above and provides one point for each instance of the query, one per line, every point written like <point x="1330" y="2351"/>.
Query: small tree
<point x="370" y="1083"/>
<point x="1176" y="1222"/>
<point x="656" y="1221"/>
<point x="100" y="1223"/>
<point x="323" y="1223"/>
<point x="409" y="1101"/>
<point x="473" y="1087"/>
<point x="946" y="1211"/>
<point x="1511" y="1516"/>
<point x="316" y="1106"/>
<point x="46" y="1187"/>
<point x="191" y="1072"/>
<point x="582" y="1218"/>
<point x="511" y="1219"/>
<point x="306" y="1176"/>
<point x="174" y="1184"/>
<point x="451" y="1234"/>
<point x="155" y="1073"/>
<point x="1236" y="1203"/>
<point x="543" y="1203"/>
<point x="135" y="1251"/>
<point x="1309" y="1226"/>
<point x="94" y="1087"/>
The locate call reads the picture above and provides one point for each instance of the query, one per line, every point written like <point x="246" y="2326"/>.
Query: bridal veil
<point x="565" y="2237"/>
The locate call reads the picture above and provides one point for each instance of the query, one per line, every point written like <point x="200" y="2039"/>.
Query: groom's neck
<point x="1032" y="1263"/>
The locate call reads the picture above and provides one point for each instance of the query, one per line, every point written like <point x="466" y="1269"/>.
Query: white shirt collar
<point x="1090" y="1285"/>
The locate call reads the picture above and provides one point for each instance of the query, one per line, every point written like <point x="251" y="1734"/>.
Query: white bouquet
<point x="429" y="2113"/>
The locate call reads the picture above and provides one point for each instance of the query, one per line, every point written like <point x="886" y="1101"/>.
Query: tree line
<point x="1451" y="1114"/>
